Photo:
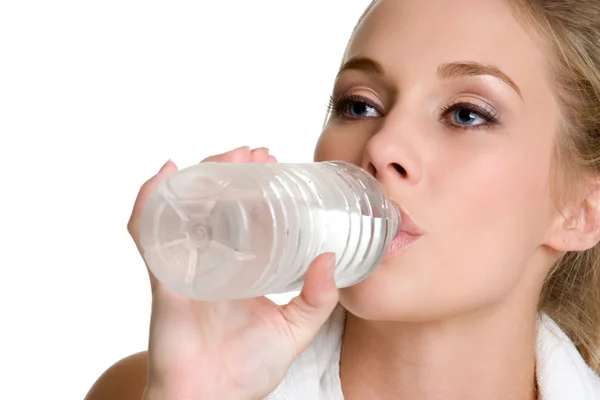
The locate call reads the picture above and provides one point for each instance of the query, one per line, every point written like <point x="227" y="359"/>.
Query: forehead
<point x="419" y="35"/>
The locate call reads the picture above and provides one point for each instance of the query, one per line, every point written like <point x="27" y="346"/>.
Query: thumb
<point x="308" y="311"/>
<point x="147" y="188"/>
<point x="133" y="226"/>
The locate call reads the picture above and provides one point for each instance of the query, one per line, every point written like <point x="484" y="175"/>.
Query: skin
<point x="219" y="350"/>
<point x="453" y="316"/>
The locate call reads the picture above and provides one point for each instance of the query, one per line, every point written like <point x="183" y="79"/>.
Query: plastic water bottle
<point x="218" y="231"/>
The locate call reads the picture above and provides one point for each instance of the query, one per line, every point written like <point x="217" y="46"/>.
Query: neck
<point x="486" y="355"/>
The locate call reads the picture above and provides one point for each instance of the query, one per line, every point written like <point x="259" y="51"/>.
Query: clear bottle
<point x="218" y="231"/>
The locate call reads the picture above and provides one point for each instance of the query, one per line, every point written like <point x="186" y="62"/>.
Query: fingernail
<point x="247" y="148"/>
<point x="261" y="148"/>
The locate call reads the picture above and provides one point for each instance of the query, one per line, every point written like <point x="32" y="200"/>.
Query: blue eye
<point x="354" y="107"/>
<point x="360" y="109"/>
<point x="463" y="116"/>
<point x="468" y="115"/>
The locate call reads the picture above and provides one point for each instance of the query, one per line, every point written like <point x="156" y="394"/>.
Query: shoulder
<point x="125" y="379"/>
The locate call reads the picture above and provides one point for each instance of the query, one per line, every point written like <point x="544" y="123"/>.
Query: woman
<point x="482" y="119"/>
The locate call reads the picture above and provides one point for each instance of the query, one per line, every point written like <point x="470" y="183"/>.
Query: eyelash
<point x="338" y="107"/>
<point x="487" y="112"/>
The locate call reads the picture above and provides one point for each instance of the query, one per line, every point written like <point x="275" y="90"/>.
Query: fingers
<point x="260" y="155"/>
<point x="239" y="155"/>
<point x="307" y="312"/>
<point x="243" y="155"/>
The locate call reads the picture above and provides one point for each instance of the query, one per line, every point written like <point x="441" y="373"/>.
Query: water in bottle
<point x="218" y="231"/>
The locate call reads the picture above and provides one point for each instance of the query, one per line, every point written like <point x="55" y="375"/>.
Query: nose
<point x="391" y="157"/>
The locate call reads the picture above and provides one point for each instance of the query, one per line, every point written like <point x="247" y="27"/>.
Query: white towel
<point x="561" y="371"/>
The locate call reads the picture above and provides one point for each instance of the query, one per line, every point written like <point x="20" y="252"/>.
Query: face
<point x="448" y="105"/>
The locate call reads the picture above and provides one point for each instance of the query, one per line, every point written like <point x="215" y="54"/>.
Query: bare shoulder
<point x="125" y="379"/>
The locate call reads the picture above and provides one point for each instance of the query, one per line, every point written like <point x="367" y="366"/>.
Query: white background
<point x="94" y="98"/>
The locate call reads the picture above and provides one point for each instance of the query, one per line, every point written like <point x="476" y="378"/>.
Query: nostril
<point x="371" y="169"/>
<point x="400" y="169"/>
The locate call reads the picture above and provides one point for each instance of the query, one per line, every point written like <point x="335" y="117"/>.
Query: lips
<point x="408" y="234"/>
<point x="407" y="225"/>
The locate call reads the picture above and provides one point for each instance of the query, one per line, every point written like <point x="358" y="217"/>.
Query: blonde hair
<point x="570" y="29"/>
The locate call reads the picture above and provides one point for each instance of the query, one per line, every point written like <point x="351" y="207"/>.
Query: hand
<point x="223" y="350"/>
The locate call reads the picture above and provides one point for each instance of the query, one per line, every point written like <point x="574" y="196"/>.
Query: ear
<point x="578" y="228"/>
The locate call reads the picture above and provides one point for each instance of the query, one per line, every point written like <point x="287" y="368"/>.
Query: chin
<point x="396" y="293"/>
<point x="380" y="297"/>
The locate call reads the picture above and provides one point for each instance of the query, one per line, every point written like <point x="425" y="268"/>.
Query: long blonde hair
<point x="570" y="29"/>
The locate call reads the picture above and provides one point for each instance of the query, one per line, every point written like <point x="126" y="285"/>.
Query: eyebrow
<point x="445" y="71"/>
<point x="362" y="64"/>
<point x="471" y="68"/>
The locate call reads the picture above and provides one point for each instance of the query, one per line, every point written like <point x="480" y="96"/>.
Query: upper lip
<point x="408" y="225"/>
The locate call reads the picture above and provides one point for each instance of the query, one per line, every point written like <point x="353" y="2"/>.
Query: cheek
<point x="494" y="213"/>
<point x="505" y="191"/>
<point x="482" y="217"/>
<point x="333" y="144"/>
<point x="500" y="195"/>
